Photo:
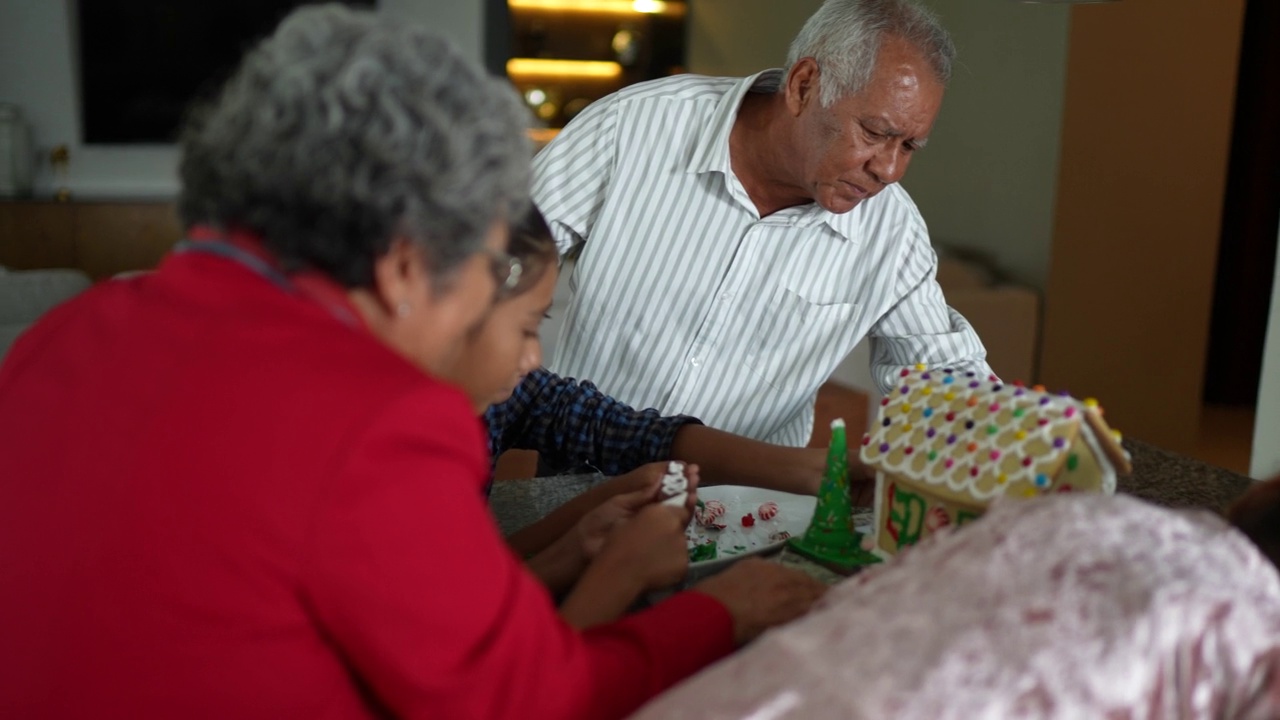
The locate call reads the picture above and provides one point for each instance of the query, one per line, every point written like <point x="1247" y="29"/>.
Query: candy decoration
<point x="830" y="537"/>
<point x="748" y="520"/>
<point x="768" y="511"/>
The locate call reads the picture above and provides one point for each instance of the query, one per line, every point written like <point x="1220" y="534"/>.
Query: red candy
<point x="748" y="520"/>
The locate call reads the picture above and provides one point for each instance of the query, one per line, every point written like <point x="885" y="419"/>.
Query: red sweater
<point x="218" y="501"/>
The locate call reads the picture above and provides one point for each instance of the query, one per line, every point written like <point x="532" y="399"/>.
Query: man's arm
<point x="571" y="174"/>
<point x="921" y="327"/>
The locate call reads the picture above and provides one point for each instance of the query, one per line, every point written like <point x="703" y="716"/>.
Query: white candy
<point x="675" y="486"/>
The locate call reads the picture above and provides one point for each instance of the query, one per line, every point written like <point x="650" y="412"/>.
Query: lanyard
<point x="255" y="263"/>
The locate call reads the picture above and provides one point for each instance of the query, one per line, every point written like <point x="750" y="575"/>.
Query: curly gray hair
<point x="342" y="131"/>
<point x="844" y="37"/>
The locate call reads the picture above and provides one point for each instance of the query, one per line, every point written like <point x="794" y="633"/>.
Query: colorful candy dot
<point x="1117" y="435"/>
<point x="1042" y="480"/>
<point x="908" y="450"/>
<point x="949" y="462"/>
<point x="972" y="447"/>
<point x="1059" y="442"/>
<point x="886" y="422"/>
<point x="1069" y="412"/>
<point x="947" y="370"/>
<point x="921" y="366"/>
<point x="969" y="374"/>
<point x="997" y="387"/>
<point x="933" y="455"/>
<point x="1002" y="479"/>
<point x="905" y="372"/>
<point x="1019" y="412"/>
<point x="992" y="429"/>
<point x="1020" y="435"/>
<point x="1026" y="462"/>
<point x="950" y="416"/>
<point x="1038" y="388"/>
<point x="1019" y="392"/>
<point x="1044" y="400"/>
<point x="968" y="424"/>
<point x="949" y="396"/>
<point x="1091" y="402"/>
<point x="948" y="380"/>
<point x="866" y="439"/>
<point x="975" y="385"/>
<point x="973" y="472"/>
<point x="1073" y="461"/>
<point x="1065" y="393"/>
<point x="1019" y="384"/>
<point x="906" y="408"/>
<point x="995" y="454"/>
<point x="971" y="402"/>
<point x="925" y="376"/>
<point x="928" y="412"/>
<point x="907" y="427"/>
<point x="926" y="390"/>
<point x="905" y="390"/>
<point x="992" y="378"/>
<point x="1042" y="422"/>
<point x="930" y="432"/>
<point x="951" y="439"/>
<point x="884" y="447"/>
<point x="884" y="402"/>
<point x="994" y="407"/>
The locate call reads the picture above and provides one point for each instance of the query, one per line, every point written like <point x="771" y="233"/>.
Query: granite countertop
<point x="1159" y="476"/>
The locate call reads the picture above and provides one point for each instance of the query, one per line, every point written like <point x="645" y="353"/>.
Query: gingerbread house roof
<point x="979" y="436"/>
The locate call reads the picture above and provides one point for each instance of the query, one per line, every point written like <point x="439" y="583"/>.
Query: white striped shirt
<point x="686" y="300"/>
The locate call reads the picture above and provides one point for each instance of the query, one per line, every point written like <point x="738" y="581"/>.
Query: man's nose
<point x="889" y="164"/>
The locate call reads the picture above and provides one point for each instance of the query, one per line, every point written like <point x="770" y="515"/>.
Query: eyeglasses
<point x="506" y="269"/>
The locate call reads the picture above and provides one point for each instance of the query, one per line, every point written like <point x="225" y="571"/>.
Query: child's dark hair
<point x="531" y="243"/>
<point x="1257" y="514"/>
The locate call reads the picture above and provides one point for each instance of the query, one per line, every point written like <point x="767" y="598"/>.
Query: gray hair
<point x="342" y="131"/>
<point x="844" y="36"/>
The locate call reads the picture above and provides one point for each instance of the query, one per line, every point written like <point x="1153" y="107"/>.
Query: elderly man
<point x="740" y="236"/>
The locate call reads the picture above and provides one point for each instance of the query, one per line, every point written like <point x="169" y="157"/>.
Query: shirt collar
<point x="711" y="153"/>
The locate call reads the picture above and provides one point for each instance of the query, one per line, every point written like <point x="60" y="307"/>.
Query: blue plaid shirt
<point x="571" y="424"/>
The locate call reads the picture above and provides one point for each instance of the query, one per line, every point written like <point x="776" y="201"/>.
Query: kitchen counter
<point x="1158" y="476"/>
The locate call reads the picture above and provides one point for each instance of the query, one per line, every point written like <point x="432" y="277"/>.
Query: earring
<point x="402" y="310"/>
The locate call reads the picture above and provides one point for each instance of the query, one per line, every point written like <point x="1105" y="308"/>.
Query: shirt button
<point x="696" y="362"/>
<point x="726" y="297"/>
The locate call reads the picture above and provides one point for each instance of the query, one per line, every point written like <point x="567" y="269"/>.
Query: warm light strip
<point x="563" y="68"/>
<point x="624" y="7"/>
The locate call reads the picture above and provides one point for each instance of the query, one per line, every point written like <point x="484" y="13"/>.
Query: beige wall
<point x="740" y="37"/>
<point x="1146" y="135"/>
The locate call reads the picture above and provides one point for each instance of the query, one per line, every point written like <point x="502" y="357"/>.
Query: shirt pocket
<point x="797" y="341"/>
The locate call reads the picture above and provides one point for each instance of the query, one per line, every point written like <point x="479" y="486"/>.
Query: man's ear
<point x="802" y="85"/>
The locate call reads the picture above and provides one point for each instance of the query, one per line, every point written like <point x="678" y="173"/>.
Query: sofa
<point x="25" y="295"/>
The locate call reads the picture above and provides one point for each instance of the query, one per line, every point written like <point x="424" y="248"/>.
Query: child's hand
<point x="650" y="547"/>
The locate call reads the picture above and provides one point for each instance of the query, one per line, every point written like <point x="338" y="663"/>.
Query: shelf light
<point x="617" y="7"/>
<point x="541" y="67"/>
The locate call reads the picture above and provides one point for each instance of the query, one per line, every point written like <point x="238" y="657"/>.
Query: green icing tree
<point x="831" y="538"/>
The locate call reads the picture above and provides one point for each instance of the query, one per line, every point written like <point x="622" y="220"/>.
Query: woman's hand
<point x="644" y="552"/>
<point x="761" y="594"/>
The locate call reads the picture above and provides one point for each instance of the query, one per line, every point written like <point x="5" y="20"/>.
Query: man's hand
<point x="761" y="594"/>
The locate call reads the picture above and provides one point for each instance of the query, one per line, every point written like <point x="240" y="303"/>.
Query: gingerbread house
<point x="946" y="443"/>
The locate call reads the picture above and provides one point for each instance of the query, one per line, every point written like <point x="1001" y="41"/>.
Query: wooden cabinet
<point x="100" y="238"/>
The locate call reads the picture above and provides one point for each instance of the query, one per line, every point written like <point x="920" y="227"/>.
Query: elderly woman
<point x="233" y="488"/>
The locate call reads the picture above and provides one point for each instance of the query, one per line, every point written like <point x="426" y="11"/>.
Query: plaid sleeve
<point x="571" y="423"/>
